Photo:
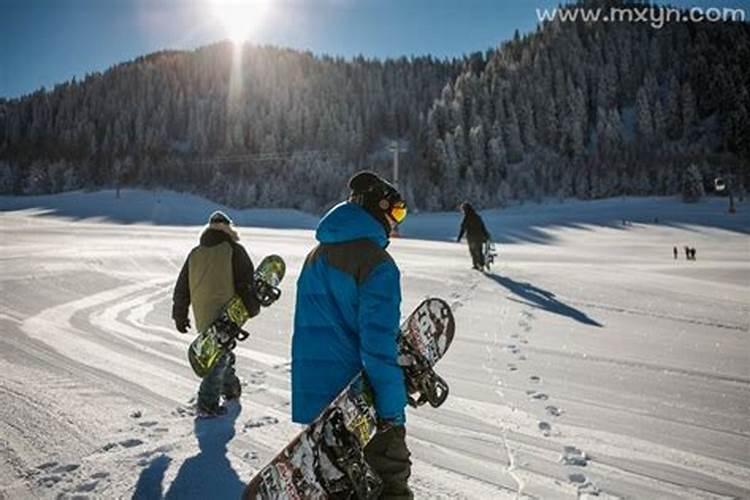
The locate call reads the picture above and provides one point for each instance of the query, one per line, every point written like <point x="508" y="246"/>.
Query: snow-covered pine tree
<point x="692" y="184"/>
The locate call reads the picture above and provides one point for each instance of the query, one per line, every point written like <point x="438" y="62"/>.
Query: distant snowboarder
<point x="687" y="252"/>
<point x="674" y="250"/>
<point x="476" y="234"/>
<point x="692" y="253"/>
<point x="213" y="272"/>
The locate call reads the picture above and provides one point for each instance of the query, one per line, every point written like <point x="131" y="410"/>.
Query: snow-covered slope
<point x="528" y="222"/>
<point x="589" y="362"/>
<point x="150" y="207"/>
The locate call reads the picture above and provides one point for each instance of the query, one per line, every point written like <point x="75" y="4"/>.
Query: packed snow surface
<point x="589" y="363"/>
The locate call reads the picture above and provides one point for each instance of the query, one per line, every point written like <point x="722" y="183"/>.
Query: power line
<point x="266" y="157"/>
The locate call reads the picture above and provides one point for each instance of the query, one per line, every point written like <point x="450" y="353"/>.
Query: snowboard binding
<point x="344" y="451"/>
<point x="266" y="293"/>
<point x="423" y="385"/>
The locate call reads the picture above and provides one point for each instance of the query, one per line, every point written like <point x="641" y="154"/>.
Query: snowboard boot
<point x="212" y="412"/>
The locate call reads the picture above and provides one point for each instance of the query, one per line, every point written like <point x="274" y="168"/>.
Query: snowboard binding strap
<point x="423" y="384"/>
<point x="343" y="449"/>
<point x="266" y="293"/>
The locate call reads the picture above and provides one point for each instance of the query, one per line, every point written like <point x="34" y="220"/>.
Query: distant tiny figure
<point x="674" y="250"/>
<point x="687" y="252"/>
<point x="692" y="253"/>
<point x="476" y="234"/>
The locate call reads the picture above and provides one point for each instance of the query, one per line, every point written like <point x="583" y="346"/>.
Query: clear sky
<point x="43" y="42"/>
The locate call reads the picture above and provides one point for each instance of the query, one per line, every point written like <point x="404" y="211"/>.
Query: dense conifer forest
<point x="574" y="109"/>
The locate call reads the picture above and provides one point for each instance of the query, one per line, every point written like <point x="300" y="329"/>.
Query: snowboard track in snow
<point x="104" y="349"/>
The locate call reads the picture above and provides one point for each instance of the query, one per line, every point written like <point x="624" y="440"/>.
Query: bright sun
<point x="240" y="18"/>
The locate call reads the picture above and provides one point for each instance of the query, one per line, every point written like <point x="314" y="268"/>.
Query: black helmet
<point x="377" y="196"/>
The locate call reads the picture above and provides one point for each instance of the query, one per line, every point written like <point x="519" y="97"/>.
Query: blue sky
<point x="43" y="42"/>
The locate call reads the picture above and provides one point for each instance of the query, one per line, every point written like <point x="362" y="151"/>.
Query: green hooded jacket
<point x="213" y="272"/>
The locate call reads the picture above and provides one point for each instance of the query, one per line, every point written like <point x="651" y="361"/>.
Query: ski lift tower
<point x="396" y="147"/>
<point x="726" y="183"/>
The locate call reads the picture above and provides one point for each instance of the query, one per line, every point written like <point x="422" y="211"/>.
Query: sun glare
<point x="240" y="18"/>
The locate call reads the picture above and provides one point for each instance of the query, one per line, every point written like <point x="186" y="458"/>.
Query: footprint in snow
<point x="127" y="443"/>
<point x="535" y="379"/>
<point x="87" y="487"/>
<point x="130" y="443"/>
<point x="260" y="422"/>
<point x="588" y="489"/>
<point x="99" y="475"/>
<point x="577" y="478"/>
<point x="46" y="465"/>
<point x="554" y="411"/>
<point x="545" y="428"/>
<point x="49" y="481"/>
<point x="184" y="411"/>
<point x="63" y="469"/>
<point x="540" y="396"/>
<point x="573" y="456"/>
<point x="109" y="446"/>
<point x="148" y="424"/>
<point x="512" y="367"/>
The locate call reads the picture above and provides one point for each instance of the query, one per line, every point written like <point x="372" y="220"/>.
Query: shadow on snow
<point x="209" y="474"/>
<point x="536" y="297"/>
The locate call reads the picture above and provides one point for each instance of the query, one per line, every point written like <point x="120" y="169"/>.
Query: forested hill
<point x="164" y="118"/>
<point x="593" y="110"/>
<point x="574" y="109"/>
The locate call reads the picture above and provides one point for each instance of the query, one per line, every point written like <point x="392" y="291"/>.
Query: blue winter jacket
<point x="347" y="317"/>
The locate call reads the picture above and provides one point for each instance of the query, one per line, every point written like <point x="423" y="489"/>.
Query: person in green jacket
<point x="214" y="271"/>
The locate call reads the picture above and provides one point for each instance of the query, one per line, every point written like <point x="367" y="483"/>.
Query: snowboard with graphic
<point x="326" y="460"/>
<point x="222" y="335"/>
<point x="490" y="252"/>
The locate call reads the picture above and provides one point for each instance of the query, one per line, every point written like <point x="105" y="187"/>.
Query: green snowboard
<point x="222" y="335"/>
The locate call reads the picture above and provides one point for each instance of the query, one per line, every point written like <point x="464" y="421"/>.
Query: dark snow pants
<point x="220" y="381"/>
<point x="388" y="455"/>
<point x="477" y="253"/>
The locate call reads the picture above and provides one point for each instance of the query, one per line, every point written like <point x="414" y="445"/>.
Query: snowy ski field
<point x="590" y="363"/>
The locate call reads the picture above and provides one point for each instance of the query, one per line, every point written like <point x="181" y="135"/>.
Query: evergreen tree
<point x="692" y="185"/>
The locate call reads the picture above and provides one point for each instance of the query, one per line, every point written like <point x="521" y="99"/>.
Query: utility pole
<point x="396" y="148"/>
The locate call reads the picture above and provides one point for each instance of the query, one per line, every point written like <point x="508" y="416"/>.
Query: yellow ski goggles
<point x="398" y="212"/>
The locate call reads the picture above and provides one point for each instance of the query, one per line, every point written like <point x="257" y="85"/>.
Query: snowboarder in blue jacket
<point x="347" y="320"/>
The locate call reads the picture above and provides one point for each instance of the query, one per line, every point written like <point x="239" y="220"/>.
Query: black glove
<point x="182" y="324"/>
